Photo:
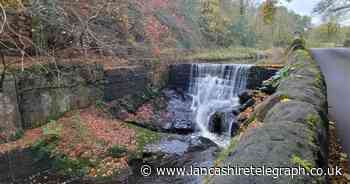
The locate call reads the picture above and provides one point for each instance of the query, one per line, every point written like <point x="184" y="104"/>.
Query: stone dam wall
<point x="179" y="76"/>
<point x="291" y="128"/>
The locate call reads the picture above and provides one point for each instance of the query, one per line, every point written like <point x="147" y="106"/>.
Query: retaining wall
<point x="39" y="94"/>
<point x="10" y="119"/>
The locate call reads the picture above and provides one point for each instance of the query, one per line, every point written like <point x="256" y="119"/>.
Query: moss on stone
<point x="302" y="55"/>
<point x="318" y="80"/>
<point x="312" y="119"/>
<point x="296" y="160"/>
<point x="222" y="155"/>
<point x="250" y="119"/>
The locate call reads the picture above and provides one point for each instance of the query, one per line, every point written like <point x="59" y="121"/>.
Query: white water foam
<point x="214" y="88"/>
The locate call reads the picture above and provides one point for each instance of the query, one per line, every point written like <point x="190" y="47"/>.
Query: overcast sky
<point x="303" y="7"/>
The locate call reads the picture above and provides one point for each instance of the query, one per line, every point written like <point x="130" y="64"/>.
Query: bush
<point x="347" y="43"/>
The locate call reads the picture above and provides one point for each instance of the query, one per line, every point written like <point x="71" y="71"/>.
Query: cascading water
<point x="214" y="88"/>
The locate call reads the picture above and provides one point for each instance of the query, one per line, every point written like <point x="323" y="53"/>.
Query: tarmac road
<point x="335" y="65"/>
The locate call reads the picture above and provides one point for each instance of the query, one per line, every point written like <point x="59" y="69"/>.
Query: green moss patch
<point x="297" y="161"/>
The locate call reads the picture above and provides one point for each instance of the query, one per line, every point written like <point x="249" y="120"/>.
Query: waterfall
<point x="214" y="88"/>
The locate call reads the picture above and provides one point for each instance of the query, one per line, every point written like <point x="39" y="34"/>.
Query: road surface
<point x="335" y="65"/>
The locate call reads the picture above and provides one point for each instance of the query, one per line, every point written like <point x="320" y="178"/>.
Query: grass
<point x="224" y="54"/>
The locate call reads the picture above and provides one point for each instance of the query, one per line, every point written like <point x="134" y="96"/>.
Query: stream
<point x="207" y="106"/>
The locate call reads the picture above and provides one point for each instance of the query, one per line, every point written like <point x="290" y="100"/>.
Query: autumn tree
<point x="212" y="21"/>
<point x="268" y="13"/>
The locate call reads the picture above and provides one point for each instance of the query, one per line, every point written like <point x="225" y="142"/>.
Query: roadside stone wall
<point x="291" y="128"/>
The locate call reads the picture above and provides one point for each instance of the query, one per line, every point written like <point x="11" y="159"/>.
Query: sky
<point x="302" y="7"/>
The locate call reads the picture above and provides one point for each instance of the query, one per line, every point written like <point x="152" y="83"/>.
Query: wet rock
<point x="216" y="123"/>
<point x="167" y="146"/>
<point x="182" y="126"/>
<point x="236" y="112"/>
<point x="176" y="151"/>
<point x="246" y="105"/>
<point x="244" y="97"/>
<point x="178" y="145"/>
<point x="180" y="114"/>
<point x="242" y="118"/>
<point x="234" y="129"/>
<point x="268" y="89"/>
<point x="199" y="143"/>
